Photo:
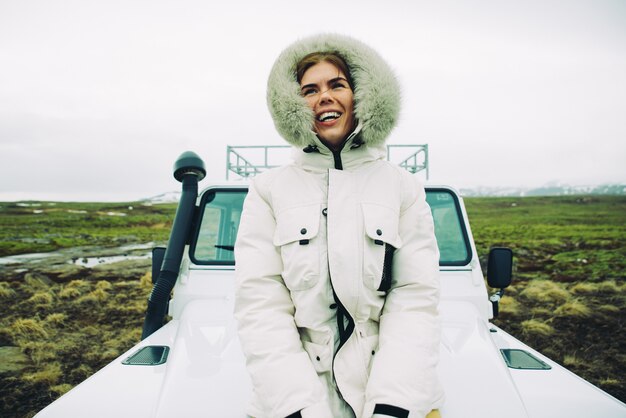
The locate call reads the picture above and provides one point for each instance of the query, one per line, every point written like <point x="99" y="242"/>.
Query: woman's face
<point x="326" y="90"/>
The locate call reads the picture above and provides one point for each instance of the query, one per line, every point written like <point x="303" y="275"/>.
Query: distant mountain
<point x="167" y="197"/>
<point x="550" y="189"/>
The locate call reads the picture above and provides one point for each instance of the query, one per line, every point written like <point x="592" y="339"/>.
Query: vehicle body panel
<point x="205" y="371"/>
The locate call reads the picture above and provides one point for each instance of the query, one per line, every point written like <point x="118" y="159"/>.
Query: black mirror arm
<point x="495" y="301"/>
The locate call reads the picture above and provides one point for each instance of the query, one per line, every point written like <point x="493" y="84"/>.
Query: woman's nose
<point x="326" y="96"/>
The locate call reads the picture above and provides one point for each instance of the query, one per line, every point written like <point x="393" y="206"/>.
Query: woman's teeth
<point x="326" y="116"/>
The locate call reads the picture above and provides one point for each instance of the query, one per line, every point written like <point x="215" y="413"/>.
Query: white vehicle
<point x="192" y="366"/>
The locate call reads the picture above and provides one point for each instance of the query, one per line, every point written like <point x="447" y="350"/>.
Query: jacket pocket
<point x="381" y="240"/>
<point x="296" y="235"/>
<point x="370" y="347"/>
<point x="320" y="355"/>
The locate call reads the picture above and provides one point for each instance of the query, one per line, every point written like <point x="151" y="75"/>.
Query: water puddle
<point x="131" y="247"/>
<point x="98" y="261"/>
<point x="108" y="255"/>
<point x="109" y="259"/>
<point x="23" y="258"/>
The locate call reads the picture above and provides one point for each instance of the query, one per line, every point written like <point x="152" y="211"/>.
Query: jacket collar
<point x="354" y="152"/>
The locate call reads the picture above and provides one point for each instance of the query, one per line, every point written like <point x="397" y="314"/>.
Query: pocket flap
<point x="297" y="224"/>
<point x="320" y="356"/>
<point x="381" y="223"/>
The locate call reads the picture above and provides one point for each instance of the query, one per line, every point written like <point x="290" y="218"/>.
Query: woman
<point x="337" y="264"/>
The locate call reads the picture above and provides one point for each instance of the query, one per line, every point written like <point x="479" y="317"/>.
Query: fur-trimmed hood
<point x="376" y="90"/>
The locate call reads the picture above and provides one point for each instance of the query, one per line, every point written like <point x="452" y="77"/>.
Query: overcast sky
<point x="98" y="98"/>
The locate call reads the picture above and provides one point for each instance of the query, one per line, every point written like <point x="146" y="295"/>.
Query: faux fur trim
<point x="376" y="90"/>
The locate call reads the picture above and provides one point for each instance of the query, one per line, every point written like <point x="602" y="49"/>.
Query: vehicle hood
<point x="475" y="378"/>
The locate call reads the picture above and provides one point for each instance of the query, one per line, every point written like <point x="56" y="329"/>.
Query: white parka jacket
<point x="337" y="264"/>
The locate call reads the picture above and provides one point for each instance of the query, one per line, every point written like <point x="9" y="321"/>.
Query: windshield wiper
<point x="225" y="247"/>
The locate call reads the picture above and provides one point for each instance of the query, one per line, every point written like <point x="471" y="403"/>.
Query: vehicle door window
<point x="450" y="229"/>
<point x="217" y="232"/>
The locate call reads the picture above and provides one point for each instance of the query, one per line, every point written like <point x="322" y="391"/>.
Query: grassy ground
<point x="30" y="227"/>
<point x="58" y="327"/>
<point x="64" y="332"/>
<point x="568" y="297"/>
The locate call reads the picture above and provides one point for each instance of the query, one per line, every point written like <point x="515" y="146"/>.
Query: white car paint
<point x="205" y="375"/>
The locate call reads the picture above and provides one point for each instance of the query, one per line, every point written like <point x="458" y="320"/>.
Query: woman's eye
<point x="338" y="85"/>
<point x="308" y="92"/>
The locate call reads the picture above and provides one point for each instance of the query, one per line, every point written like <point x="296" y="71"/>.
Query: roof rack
<point x="250" y="160"/>
<point x="415" y="162"/>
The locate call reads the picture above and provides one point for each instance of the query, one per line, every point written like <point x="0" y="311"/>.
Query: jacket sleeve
<point x="403" y="373"/>
<point x="283" y="377"/>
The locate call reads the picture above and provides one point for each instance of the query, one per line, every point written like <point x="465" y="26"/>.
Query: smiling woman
<point x="328" y="93"/>
<point x="327" y="242"/>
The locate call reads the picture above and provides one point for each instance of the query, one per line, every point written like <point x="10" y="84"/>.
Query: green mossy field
<point x="59" y="325"/>
<point x="568" y="296"/>
<point x="31" y="227"/>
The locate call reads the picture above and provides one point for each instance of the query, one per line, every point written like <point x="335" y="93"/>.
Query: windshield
<point x="220" y="213"/>
<point x="450" y="230"/>
<point x="215" y="237"/>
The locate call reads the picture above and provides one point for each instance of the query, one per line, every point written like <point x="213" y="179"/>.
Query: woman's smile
<point x="328" y="118"/>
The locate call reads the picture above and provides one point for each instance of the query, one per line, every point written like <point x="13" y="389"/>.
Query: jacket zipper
<point x="342" y="312"/>
<point x="337" y="158"/>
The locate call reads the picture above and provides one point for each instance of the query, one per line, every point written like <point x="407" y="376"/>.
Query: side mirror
<point x="499" y="272"/>
<point x="500" y="267"/>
